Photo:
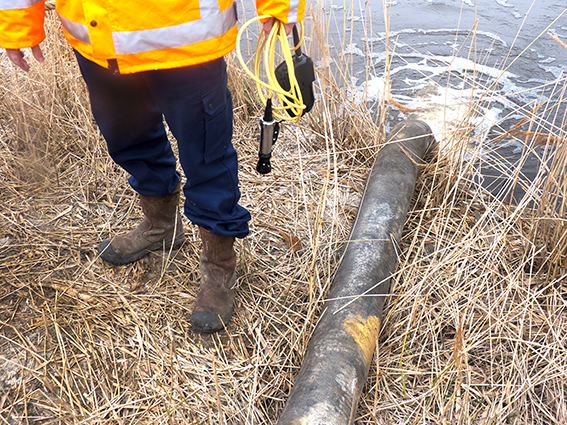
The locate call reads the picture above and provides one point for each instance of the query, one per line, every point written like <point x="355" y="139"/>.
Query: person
<point x="144" y="61"/>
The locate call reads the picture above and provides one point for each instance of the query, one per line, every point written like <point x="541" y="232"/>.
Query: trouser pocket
<point x="218" y="123"/>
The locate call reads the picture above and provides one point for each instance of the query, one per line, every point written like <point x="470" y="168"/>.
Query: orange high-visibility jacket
<point x="140" y="35"/>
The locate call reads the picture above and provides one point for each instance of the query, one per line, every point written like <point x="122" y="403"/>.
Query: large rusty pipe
<point x="336" y="364"/>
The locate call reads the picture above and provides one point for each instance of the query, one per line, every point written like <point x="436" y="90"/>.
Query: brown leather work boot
<point x="162" y="219"/>
<point x="215" y="301"/>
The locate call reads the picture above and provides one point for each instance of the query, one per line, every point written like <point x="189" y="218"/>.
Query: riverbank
<point x="474" y="330"/>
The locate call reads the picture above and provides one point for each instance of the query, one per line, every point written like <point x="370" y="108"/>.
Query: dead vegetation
<point x="474" y="330"/>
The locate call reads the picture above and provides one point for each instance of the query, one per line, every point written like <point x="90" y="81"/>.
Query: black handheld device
<point x="304" y="73"/>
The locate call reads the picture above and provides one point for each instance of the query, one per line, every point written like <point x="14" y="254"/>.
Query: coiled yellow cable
<point x="291" y="100"/>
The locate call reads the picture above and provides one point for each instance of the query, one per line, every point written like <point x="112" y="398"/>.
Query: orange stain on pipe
<point x="364" y="332"/>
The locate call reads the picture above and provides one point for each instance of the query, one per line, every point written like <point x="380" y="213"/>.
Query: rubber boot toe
<point x="205" y="321"/>
<point x="108" y="254"/>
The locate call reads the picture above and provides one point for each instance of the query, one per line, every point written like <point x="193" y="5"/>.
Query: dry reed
<point x="474" y="331"/>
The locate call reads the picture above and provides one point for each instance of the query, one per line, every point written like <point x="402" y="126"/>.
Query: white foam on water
<point x="450" y="32"/>
<point x="374" y="88"/>
<point x="548" y="60"/>
<point x="557" y="72"/>
<point x="446" y="106"/>
<point x="504" y="3"/>
<point x="352" y="49"/>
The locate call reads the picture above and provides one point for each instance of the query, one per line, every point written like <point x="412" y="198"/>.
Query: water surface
<point x="447" y="54"/>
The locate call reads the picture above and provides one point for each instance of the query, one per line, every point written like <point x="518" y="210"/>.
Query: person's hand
<point x="270" y="23"/>
<point x="17" y="57"/>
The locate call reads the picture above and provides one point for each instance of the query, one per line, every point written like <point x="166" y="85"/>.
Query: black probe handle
<point x="296" y="41"/>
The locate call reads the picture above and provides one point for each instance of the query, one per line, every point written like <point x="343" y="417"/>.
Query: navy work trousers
<point x="197" y="106"/>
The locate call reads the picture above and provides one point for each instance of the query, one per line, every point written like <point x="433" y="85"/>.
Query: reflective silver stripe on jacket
<point x="293" y="11"/>
<point x="211" y="25"/>
<point x="17" y="4"/>
<point x="79" y="31"/>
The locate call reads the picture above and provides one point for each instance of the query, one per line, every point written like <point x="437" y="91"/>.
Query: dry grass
<point x="474" y="332"/>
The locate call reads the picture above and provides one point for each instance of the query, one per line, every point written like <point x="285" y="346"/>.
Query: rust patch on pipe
<point x="364" y="332"/>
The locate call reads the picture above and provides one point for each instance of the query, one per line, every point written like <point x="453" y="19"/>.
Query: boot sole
<point x="107" y="254"/>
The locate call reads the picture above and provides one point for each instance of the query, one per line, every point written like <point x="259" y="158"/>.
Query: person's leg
<point x="198" y="108"/>
<point x="132" y="125"/>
